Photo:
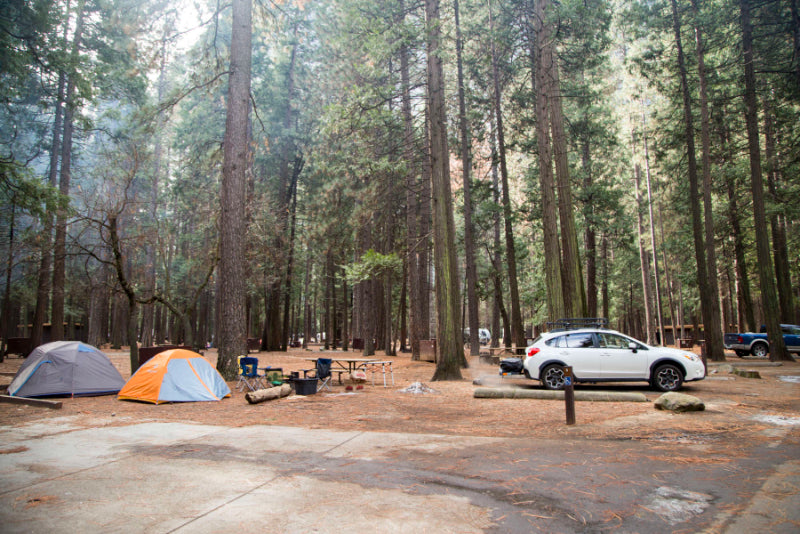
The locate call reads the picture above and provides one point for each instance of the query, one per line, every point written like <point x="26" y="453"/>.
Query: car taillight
<point x="532" y="351"/>
<point x="739" y="339"/>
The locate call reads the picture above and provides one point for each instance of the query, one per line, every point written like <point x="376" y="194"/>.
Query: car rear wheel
<point x="553" y="377"/>
<point x="667" y="377"/>
<point x="760" y="350"/>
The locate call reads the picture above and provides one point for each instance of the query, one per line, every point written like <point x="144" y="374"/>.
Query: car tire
<point x="667" y="377"/>
<point x="552" y="377"/>
<point x="759" y="350"/>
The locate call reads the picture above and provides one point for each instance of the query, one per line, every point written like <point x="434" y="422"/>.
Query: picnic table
<point x="341" y="365"/>
<point x="381" y="366"/>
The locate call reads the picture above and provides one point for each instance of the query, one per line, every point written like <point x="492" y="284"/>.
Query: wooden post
<point x="569" y="395"/>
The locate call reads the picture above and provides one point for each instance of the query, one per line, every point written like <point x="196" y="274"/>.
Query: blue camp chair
<point x="322" y="372"/>
<point x="249" y="377"/>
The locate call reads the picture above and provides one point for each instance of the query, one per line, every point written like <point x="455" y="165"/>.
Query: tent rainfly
<point x="175" y="375"/>
<point x="66" y="368"/>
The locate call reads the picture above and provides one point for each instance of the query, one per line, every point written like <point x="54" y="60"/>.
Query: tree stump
<point x="746" y="374"/>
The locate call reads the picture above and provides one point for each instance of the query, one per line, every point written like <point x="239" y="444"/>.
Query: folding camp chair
<point x="322" y="373"/>
<point x="248" y="376"/>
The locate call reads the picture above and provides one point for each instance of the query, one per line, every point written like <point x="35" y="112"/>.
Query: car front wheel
<point x="553" y="377"/>
<point x="667" y="378"/>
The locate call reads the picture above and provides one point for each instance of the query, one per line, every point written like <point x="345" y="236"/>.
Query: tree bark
<point x="450" y="356"/>
<point x="777" y="219"/>
<point x="298" y="166"/>
<point x="708" y="300"/>
<point x="765" y="272"/>
<point x="644" y="261"/>
<point x="413" y="241"/>
<point x="589" y="233"/>
<point x="713" y="333"/>
<point x="498" y="309"/>
<point x="43" y="286"/>
<point x="552" y="252"/>
<point x="517" y="332"/>
<point x="466" y="168"/>
<point x="796" y="38"/>
<point x="233" y="327"/>
<point x="572" y="277"/>
<point x="60" y="244"/>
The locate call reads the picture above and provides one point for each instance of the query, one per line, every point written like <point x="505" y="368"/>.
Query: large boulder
<point x="679" y="402"/>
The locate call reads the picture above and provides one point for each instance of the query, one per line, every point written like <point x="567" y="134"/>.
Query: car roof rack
<point x="577" y="322"/>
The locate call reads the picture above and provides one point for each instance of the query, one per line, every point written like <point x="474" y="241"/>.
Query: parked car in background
<point x="484" y="336"/>
<point x="603" y="355"/>
<point x="757" y="344"/>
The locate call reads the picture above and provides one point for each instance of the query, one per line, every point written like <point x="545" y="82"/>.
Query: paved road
<point x="171" y="477"/>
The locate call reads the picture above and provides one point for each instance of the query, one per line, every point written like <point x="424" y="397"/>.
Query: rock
<point x="679" y="402"/>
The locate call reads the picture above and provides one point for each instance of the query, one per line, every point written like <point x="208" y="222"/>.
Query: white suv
<point x="602" y="355"/>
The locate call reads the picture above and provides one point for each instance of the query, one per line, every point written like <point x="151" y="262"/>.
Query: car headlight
<point x="691" y="356"/>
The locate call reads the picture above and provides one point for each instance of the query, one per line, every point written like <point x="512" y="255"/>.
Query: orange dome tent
<point x="175" y="375"/>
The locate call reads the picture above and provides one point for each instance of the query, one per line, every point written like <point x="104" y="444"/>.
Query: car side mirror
<point x="633" y="346"/>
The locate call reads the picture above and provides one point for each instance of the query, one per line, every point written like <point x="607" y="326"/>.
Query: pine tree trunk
<point x="589" y="233"/>
<point x="713" y="333"/>
<point x="413" y="241"/>
<point x="450" y="352"/>
<point x="776" y="220"/>
<point x="552" y="252"/>
<point x="574" y="294"/>
<point x="796" y="38"/>
<point x="60" y="244"/>
<point x="233" y="327"/>
<point x="288" y="279"/>
<point x="466" y="168"/>
<point x="659" y="315"/>
<point x="307" y="331"/>
<point x="765" y="272"/>
<point x="644" y="260"/>
<point x="708" y="299"/>
<point x="424" y="243"/>
<point x="517" y="332"/>
<point x="498" y="310"/>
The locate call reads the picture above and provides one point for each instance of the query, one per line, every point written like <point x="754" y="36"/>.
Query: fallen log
<point x="263" y="395"/>
<point x="55" y="405"/>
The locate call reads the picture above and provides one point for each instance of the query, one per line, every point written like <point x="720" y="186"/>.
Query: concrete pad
<point x="165" y="477"/>
<point x="173" y="477"/>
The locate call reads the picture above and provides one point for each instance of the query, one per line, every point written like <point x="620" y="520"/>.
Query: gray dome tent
<point x="66" y="368"/>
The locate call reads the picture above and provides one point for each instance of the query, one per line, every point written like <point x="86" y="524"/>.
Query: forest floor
<point x="736" y="407"/>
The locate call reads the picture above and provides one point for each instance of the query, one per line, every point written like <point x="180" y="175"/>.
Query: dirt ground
<point x="736" y="407"/>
